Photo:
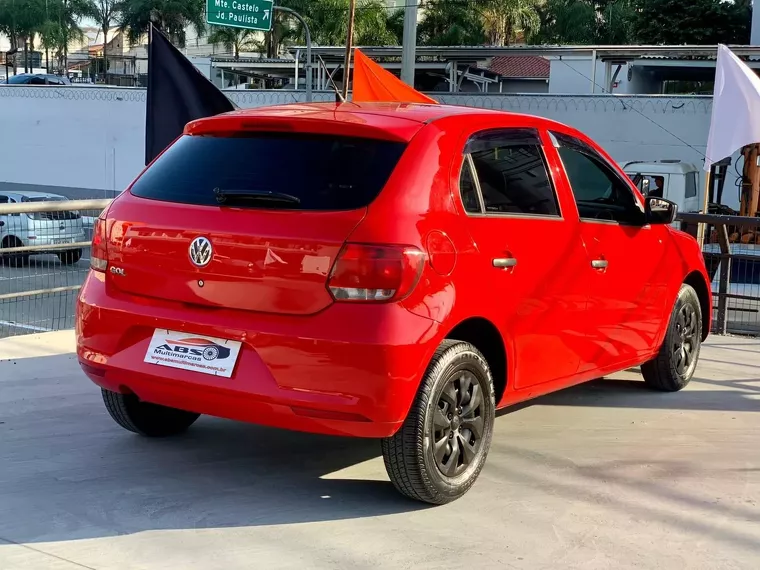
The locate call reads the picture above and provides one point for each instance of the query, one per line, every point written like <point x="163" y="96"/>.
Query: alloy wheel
<point x="685" y="341"/>
<point x="458" y="425"/>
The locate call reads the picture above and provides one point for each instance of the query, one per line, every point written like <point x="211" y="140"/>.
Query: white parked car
<point x="743" y="315"/>
<point x="40" y="228"/>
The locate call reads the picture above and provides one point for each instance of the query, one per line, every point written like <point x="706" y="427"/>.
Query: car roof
<point x="402" y="120"/>
<point x="30" y="194"/>
<point x="658" y="167"/>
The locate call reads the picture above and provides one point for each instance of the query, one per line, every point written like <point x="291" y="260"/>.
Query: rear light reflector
<point x="99" y="253"/>
<point x="375" y="273"/>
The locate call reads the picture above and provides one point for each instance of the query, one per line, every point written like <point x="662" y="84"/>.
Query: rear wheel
<point x="146" y="419"/>
<point x="70" y="257"/>
<point x="442" y="446"/>
<point x="676" y="362"/>
<point x="13" y="259"/>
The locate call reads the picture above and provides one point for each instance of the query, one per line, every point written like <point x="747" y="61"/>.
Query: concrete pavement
<point x="606" y="475"/>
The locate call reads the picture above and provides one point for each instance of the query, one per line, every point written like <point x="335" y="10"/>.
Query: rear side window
<point x="324" y="172"/>
<point x="470" y="198"/>
<point x="691" y="185"/>
<point x="510" y="169"/>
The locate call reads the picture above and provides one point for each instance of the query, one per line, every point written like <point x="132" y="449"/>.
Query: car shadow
<point x="68" y="472"/>
<point x="729" y="395"/>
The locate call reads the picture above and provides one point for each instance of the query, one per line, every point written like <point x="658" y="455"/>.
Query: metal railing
<point x="44" y="258"/>
<point x="731" y="247"/>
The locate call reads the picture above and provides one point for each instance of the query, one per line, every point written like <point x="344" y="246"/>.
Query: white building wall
<point x="92" y="138"/>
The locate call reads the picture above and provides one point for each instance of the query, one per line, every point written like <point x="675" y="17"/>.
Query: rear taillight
<point x="99" y="253"/>
<point x="375" y="272"/>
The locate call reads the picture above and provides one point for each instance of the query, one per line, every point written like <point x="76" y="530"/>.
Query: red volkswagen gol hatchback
<point x="384" y="271"/>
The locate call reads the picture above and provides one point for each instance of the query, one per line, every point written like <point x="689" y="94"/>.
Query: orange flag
<point x="374" y="84"/>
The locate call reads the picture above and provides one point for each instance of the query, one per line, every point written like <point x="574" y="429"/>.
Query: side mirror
<point x="645" y="186"/>
<point x="2" y="223"/>
<point x="660" y="211"/>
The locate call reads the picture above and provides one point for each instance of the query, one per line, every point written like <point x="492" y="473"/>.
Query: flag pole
<point x="349" y="41"/>
<point x="705" y="206"/>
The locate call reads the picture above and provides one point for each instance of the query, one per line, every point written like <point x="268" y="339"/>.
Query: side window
<point x="467" y="189"/>
<point x="4" y="200"/>
<point x="691" y="185"/>
<point x="37" y="81"/>
<point x="599" y="192"/>
<point x="512" y="174"/>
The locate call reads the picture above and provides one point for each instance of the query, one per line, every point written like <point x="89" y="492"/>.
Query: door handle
<point x="504" y="262"/>
<point x="599" y="264"/>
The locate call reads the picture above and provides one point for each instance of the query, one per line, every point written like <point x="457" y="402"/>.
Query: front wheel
<point x="673" y="367"/>
<point x="442" y="446"/>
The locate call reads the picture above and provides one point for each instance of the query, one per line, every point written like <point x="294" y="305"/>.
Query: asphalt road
<point x="605" y="475"/>
<point x="39" y="312"/>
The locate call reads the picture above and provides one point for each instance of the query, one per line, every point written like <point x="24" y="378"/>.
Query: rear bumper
<point x="349" y="370"/>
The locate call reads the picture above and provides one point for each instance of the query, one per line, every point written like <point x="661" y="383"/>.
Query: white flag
<point x="735" y="118"/>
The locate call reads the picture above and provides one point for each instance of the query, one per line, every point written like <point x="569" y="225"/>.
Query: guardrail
<point x="37" y="291"/>
<point x="44" y="258"/>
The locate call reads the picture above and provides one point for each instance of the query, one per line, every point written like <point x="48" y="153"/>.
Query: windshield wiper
<point x="232" y="194"/>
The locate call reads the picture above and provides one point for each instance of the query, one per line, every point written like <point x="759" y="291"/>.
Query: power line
<point x="631" y="108"/>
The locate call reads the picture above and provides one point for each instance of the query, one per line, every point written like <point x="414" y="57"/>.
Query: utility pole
<point x="409" y="43"/>
<point x="349" y="42"/>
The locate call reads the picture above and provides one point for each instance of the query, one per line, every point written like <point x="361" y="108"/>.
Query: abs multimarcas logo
<point x="204" y="354"/>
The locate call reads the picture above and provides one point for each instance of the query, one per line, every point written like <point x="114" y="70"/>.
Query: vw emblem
<point x="201" y="251"/>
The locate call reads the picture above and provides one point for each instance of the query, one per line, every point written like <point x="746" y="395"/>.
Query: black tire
<point x="150" y="420"/>
<point x="13" y="259"/>
<point x="673" y="367"/>
<point x="410" y="456"/>
<point x="70" y="257"/>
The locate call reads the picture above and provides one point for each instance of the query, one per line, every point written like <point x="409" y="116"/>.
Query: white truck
<point x="678" y="180"/>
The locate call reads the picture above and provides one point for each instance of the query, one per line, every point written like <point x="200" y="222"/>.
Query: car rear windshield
<point x="324" y="172"/>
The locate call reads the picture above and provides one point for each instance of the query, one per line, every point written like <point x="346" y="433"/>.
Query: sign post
<point x="247" y="14"/>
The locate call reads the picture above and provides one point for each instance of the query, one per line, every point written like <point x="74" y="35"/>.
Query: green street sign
<point x="248" y="14"/>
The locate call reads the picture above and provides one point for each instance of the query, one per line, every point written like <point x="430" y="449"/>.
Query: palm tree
<point x="503" y="19"/>
<point x="169" y="16"/>
<point x="236" y="40"/>
<point x="20" y="20"/>
<point x="449" y="23"/>
<point x="104" y="12"/>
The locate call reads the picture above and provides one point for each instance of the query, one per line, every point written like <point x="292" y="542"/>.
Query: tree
<point x="677" y="22"/>
<point x="503" y="19"/>
<point x="19" y="20"/>
<point x="450" y="23"/>
<point x="236" y="40"/>
<point x="61" y="26"/>
<point x="105" y="13"/>
<point x="607" y="22"/>
<point x="170" y="16"/>
<point x="328" y="21"/>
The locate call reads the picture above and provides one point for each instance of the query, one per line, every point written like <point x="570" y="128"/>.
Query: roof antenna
<point x="338" y="95"/>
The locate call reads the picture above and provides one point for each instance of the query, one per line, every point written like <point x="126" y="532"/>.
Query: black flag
<point x="177" y="94"/>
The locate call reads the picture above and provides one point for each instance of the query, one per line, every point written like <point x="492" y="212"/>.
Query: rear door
<point x="530" y="252"/>
<point x="271" y="210"/>
<point x="629" y="259"/>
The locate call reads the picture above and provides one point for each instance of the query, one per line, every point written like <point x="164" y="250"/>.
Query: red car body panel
<point x="310" y="363"/>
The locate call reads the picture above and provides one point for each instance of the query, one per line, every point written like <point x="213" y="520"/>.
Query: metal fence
<point x="731" y="246"/>
<point x="44" y="258"/>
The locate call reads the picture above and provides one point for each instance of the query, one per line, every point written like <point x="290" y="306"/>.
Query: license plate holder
<point x="198" y="353"/>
